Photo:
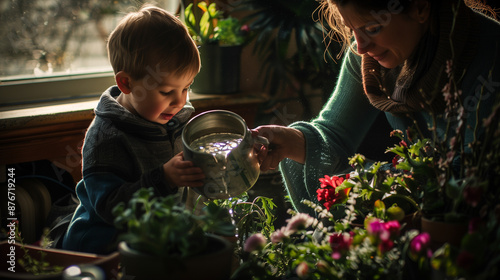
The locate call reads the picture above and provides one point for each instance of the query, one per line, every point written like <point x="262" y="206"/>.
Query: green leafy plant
<point x="290" y="44"/>
<point x="208" y="26"/>
<point x="163" y="227"/>
<point x="250" y="216"/>
<point x="36" y="265"/>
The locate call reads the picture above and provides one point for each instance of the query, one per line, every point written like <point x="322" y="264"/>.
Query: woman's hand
<point x="284" y="142"/>
<point x="180" y="172"/>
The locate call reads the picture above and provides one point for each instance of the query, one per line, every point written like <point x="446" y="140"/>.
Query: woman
<point x="399" y="62"/>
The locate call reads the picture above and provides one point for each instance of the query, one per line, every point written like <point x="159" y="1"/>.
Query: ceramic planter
<point x="64" y="258"/>
<point x="220" y="70"/>
<point x="214" y="264"/>
<point x="443" y="232"/>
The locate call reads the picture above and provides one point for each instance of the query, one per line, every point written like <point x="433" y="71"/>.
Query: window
<point x="56" y="49"/>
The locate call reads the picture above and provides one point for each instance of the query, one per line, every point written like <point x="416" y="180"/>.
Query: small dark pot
<point x="220" y="70"/>
<point x="214" y="264"/>
<point x="443" y="232"/>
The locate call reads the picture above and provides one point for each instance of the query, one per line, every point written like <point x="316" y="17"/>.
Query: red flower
<point x="473" y="195"/>
<point x="403" y="144"/>
<point x="385" y="246"/>
<point x="465" y="259"/>
<point x="327" y="191"/>
<point x="395" y="160"/>
<point x="340" y="243"/>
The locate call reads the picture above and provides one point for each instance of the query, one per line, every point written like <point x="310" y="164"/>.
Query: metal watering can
<point x="222" y="145"/>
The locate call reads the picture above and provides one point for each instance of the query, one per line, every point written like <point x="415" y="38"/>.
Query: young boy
<point x="134" y="141"/>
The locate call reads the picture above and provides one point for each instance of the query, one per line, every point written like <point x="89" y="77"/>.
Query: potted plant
<point x="289" y="42"/>
<point x="41" y="262"/>
<point x="220" y="41"/>
<point x="306" y="248"/>
<point x="162" y="238"/>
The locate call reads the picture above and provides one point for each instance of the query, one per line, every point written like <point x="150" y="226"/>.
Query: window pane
<point x="55" y="37"/>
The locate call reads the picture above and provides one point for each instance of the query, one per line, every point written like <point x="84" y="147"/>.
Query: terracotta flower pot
<point x="214" y="264"/>
<point x="444" y="232"/>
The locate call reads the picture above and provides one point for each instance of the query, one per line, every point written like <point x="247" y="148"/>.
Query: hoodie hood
<point x="108" y="108"/>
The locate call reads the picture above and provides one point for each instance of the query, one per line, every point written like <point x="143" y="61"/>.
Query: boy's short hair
<point x="151" y="40"/>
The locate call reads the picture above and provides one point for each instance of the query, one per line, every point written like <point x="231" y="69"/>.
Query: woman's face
<point x="389" y="36"/>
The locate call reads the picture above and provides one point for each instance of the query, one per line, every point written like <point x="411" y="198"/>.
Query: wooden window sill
<point x="55" y="131"/>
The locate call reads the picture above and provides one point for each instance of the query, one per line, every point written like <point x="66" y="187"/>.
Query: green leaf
<point x="454" y="188"/>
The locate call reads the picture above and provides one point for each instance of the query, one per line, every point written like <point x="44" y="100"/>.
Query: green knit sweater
<point x="337" y="132"/>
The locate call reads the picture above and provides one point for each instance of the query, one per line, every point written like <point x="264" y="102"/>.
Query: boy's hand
<point x="180" y="172"/>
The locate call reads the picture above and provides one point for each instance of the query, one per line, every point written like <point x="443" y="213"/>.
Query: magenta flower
<point x="420" y="244"/>
<point x="375" y="227"/>
<point x="340" y="243"/>
<point x="255" y="242"/>
<point x="393" y="227"/>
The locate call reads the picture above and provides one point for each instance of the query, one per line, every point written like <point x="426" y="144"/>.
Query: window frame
<point x="34" y="91"/>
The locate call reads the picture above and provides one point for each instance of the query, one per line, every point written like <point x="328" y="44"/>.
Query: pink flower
<point x="245" y="28"/>
<point x="280" y="235"/>
<point x="340" y="243"/>
<point x="420" y="244"/>
<point x="255" y="242"/>
<point x="302" y="270"/>
<point x="298" y="222"/>
<point x="375" y="227"/>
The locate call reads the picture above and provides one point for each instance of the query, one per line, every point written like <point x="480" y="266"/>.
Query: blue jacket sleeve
<point x="106" y="190"/>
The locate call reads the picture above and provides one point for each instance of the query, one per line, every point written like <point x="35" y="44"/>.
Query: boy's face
<point x="157" y="98"/>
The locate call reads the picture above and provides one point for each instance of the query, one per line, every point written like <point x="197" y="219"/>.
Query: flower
<point x="280" y="235"/>
<point x="302" y="270"/>
<point x="298" y="222"/>
<point x="340" y="244"/>
<point x="255" y="242"/>
<point x="328" y="192"/>
<point x="420" y="245"/>
<point x="308" y="249"/>
<point x="465" y="259"/>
